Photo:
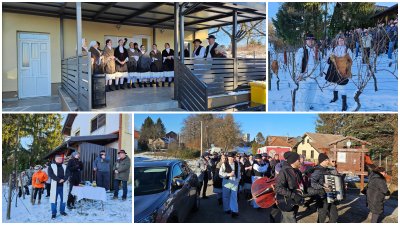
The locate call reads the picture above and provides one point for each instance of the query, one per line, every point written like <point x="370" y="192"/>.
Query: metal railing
<point x="192" y="94"/>
<point x="76" y="80"/>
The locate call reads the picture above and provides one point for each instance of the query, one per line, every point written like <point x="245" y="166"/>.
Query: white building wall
<point x="82" y="124"/>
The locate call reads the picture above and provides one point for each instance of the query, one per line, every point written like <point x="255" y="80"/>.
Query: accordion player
<point x="336" y="185"/>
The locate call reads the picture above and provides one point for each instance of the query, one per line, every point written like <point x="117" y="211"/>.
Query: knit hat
<point x="322" y="157"/>
<point x="38" y="167"/>
<point x="286" y="155"/>
<point x="74" y="154"/>
<point x="293" y="157"/>
<point x="258" y="156"/>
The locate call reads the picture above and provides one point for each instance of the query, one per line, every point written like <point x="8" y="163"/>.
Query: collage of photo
<point x="199" y="112"/>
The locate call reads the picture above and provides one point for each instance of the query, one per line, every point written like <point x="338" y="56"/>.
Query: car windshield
<point x="150" y="180"/>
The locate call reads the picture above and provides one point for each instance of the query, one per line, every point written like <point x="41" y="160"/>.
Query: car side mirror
<point x="177" y="183"/>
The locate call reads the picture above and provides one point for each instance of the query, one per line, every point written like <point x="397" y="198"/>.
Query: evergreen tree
<point x="260" y="138"/>
<point x="159" y="129"/>
<point x="147" y="131"/>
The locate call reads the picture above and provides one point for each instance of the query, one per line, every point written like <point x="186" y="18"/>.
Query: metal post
<point x="234" y="49"/>
<point x="15" y="165"/>
<point x="201" y="138"/>
<point x="79" y="46"/>
<point x="176" y="46"/>
<point x="9" y="197"/>
<point x="154" y="35"/>
<point x="182" y="34"/>
<point x="62" y="36"/>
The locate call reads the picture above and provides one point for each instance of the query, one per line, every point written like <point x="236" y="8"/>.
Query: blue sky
<point x="268" y="124"/>
<point x="274" y="6"/>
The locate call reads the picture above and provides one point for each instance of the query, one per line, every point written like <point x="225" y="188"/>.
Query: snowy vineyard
<point x="87" y="211"/>
<point x="376" y="84"/>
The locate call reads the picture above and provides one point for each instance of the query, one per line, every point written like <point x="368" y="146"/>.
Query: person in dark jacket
<point x="122" y="170"/>
<point x="204" y="164"/>
<point x="102" y="169"/>
<point x="144" y="66"/>
<point x="212" y="45"/>
<point x="121" y="64"/>
<point x="217" y="180"/>
<point x="318" y="183"/>
<point x="168" y="64"/>
<point x="59" y="175"/>
<point x="289" y="184"/>
<point x="376" y="191"/>
<point x="75" y="167"/>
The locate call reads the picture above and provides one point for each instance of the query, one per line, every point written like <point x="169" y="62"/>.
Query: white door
<point x="143" y="40"/>
<point x="34" y="78"/>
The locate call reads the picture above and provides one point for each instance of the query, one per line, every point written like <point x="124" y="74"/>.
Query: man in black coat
<point x="289" y="185"/>
<point x="376" y="191"/>
<point x="210" y="50"/>
<point x="75" y="168"/>
<point x="318" y="183"/>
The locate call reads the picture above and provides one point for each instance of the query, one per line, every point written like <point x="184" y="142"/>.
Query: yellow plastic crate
<point x="258" y="92"/>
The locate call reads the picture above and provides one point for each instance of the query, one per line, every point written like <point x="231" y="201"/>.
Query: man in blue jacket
<point x="101" y="166"/>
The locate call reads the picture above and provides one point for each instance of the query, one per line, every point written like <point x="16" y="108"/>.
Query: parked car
<point x="164" y="191"/>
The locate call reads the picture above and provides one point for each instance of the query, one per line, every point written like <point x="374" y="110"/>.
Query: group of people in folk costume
<point x="59" y="178"/>
<point x="233" y="173"/>
<point x="124" y="67"/>
<point x="345" y="47"/>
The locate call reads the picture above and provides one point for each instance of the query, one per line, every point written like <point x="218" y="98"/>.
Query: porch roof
<point x="94" y="139"/>
<point x="198" y="16"/>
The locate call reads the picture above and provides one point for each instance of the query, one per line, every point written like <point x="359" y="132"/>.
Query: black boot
<point x="129" y="85"/>
<point x="144" y="84"/>
<point x="169" y="84"/>
<point x="108" y="88"/>
<point x="140" y="83"/>
<point x="123" y="84"/>
<point x="133" y="85"/>
<point x="344" y="103"/>
<point x="335" y="96"/>
<point x="151" y="83"/>
<point x="111" y="86"/>
<point x="116" y="86"/>
<point x="157" y="85"/>
<point x="163" y="84"/>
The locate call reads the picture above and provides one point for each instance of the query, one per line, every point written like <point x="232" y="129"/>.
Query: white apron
<point x="54" y="185"/>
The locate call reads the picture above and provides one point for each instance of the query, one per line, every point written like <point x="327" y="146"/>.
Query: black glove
<point x="298" y="199"/>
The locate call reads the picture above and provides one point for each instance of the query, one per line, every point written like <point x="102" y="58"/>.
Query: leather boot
<point x="129" y="85"/>
<point x="108" y="88"/>
<point x="335" y="96"/>
<point x="344" y="102"/>
<point x="144" y="84"/>
<point x="140" y="83"/>
<point x="163" y="84"/>
<point x="151" y="83"/>
<point x="157" y="85"/>
<point x="133" y="85"/>
<point x="116" y="86"/>
<point x="169" y="84"/>
<point x="111" y="86"/>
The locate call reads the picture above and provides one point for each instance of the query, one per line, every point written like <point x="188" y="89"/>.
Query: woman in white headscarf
<point x="97" y="58"/>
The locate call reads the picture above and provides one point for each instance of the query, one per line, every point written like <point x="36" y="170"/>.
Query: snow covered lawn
<point x="385" y="99"/>
<point x="115" y="211"/>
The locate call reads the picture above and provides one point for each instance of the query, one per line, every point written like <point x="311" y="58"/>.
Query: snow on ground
<point x="385" y="99"/>
<point x="115" y="211"/>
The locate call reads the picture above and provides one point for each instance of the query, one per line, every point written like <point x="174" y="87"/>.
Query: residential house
<point x="312" y="144"/>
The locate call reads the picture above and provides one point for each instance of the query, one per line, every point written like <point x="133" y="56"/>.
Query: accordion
<point x="336" y="186"/>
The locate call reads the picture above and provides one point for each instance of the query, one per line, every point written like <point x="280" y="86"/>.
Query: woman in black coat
<point x="168" y="63"/>
<point x="376" y="191"/>
<point x="75" y="167"/>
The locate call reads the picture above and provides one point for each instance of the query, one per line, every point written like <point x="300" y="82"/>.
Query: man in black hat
<point x="318" y="183"/>
<point x="230" y="174"/>
<point x="199" y="51"/>
<point x="289" y="184"/>
<point x="122" y="169"/>
<point x="210" y="50"/>
<point x="204" y="164"/>
<point x="259" y="170"/>
<point x="307" y="67"/>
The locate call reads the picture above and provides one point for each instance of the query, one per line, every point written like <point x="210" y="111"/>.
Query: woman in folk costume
<point x="109" y="65"/>
<point x="168" y="64"/>
<point x="144" y="66"/>
<point x="339" y="71"/>
<point x="97" y="58"/>
<point x="230" y="174"/>
<point x="121" y="64"/>
<point x="134" y="54"/>
<point x="84" y="47"/>
<point x="307" y="68"/>
<point x="59" y="185"/>
<point x="156" y="65"/>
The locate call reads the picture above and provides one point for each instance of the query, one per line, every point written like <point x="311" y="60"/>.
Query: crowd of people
<point x="126" y="67"/>
<point x="339" y="53"/>
<point x="295" y="182"/>
<point x="58" y="177"/>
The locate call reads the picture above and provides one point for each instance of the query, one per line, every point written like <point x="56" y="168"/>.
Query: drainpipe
<point x="120" y="132"/>
<point x="176" y="46"/>
<point x="79" y="45"/>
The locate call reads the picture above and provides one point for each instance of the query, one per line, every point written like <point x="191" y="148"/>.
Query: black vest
<point x="197" y="52"/>
<point x="212" y="52"/>
<point x="228" y="168"/>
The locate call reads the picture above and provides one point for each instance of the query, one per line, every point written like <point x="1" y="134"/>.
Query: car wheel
<point x="196" y="203"/>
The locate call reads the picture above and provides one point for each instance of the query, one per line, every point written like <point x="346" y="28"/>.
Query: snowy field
<point x="385" y="99"/>
<point x="115" y="211"/>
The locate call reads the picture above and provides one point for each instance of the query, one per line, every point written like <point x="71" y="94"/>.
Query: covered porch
<point x="219" y="84"/>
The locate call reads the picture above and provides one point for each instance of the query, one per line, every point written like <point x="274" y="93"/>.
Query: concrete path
<point x="37" y="104"/>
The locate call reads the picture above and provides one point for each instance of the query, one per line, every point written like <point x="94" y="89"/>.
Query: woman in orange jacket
<point x="39" y="178"/>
